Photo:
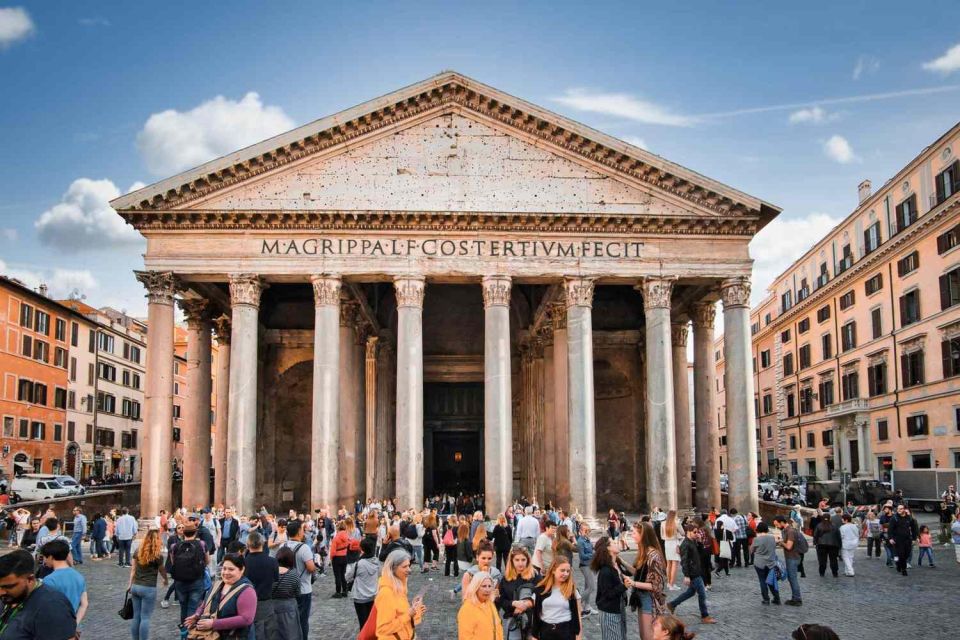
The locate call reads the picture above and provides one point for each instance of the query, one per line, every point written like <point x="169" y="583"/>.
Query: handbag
<point x="126" y="611"/>
<point x="726" y="551"/>
<point x="210" y="634"/>
<point x="369" y="630"/>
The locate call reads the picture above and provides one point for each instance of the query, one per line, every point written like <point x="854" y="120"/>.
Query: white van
<point x="70" y="484"/>
<point x="38" y="487"/>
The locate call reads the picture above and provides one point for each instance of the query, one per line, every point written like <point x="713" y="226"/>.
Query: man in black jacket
<point x="901" y="532"/>
<point x="693" y="575"/>
<point x="229" y="530"/>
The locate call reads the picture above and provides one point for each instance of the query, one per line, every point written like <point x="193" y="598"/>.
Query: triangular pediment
<point x="452" y="161"/>
<point x="465" y="146"/>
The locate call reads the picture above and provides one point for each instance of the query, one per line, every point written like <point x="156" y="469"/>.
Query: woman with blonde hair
<point x="563" y="543"/>
<point x="556" y="608"/>
<point x="478" y="535"/>
<point x="649" y="578"/>
<point x="147" y="565"/>
<point x="672" y="536"/>
<point x="477" y="618"/>
<point x="516" y="593"/>
<point x="396" y="618"/>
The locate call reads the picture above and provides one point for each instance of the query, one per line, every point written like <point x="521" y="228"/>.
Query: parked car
<point x="33" y="486"/>
<point x="70" y="483"/>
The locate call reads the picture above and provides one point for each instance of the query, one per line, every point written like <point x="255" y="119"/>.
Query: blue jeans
<point x="764" y="587"/>
<point x="418" y="555"/>
<point x="144" y="600"/>
<point x="76" y="547"/>
<point x="123" y="557"/>
<point x="696" y="588"/>
<point x="889" y="549"/>
<point x="303" y="605"/>
<point x="188" y="595"/>
<point x="925" y="552"/>
<point x="792" y="564"/>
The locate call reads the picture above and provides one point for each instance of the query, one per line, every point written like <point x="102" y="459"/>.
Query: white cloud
<point x="838" y="149"/>
<point x="172" y="141"/>
<point x="61" y="283"/>
<point x="813" y="115"/>
<point x="947" y="63"/>
<point x="624" y="106"/>
<point x="781" y="243"/>
<point x="635" y="141"/>
<point x="865" y="65"/>
<point x="15" y="25"/>
<point x="83" y="219"/>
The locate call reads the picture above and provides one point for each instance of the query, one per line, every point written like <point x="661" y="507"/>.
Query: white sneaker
<point x="164" y="604"/>
<point x="909" y="566"/>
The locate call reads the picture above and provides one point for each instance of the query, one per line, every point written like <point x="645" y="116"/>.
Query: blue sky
<point x="98" y="96"/>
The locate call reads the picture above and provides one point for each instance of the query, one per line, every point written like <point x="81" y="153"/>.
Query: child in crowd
<point x="926" y="546"/>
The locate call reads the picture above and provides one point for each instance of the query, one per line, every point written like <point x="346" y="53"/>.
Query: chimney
<point x="864" y="190"/>
<point x="43" y="289"/>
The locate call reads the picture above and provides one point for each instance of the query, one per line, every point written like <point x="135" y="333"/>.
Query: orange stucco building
<point x="34" y="362"/>
<point x="856" y="348"/>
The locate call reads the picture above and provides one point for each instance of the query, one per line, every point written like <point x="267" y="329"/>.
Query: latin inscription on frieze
<point x="452" y="248"/>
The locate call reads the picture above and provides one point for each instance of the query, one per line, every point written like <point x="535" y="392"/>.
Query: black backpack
<point x="410" y="531"/>
<point x="189" y="561"/>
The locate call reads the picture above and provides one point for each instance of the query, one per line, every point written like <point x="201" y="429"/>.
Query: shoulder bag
<point x="210" y="634"/>
<point x="126" y="611"/>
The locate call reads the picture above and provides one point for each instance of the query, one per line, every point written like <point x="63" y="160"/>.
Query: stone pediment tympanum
<point x="451" y="148"/>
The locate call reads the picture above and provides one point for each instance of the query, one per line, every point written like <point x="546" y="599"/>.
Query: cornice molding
<point x="380" y="220"/>
<point x="452" y="95"/>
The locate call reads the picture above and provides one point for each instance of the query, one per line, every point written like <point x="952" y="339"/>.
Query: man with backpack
<point x="305" y="571"/>
<point x="794" y="545"/>
<point x="188" y="561"/>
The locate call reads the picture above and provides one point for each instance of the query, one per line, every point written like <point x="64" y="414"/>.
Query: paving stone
<point x="876" y="603"/>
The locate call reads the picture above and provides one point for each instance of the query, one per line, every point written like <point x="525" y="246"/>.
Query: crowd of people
<point x="253" y="575"/>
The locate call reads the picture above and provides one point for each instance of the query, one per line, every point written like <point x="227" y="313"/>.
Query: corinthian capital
<point x="558" y="316"/>
<point x="196" y="311"/>
<point x="703" y="314"/>
<point x="578" y="292"/>
<point x="496" y="291"/>
<point x="409" y="291"/>
<point x="221" y="327"/>
<point x="656" y="292"/>
<point x="735" y="292"/>
<point x="326" y="289"/>
<point x="161" y="285"/>
<point x="245" y="289"/>
<point x="678" y="334"/>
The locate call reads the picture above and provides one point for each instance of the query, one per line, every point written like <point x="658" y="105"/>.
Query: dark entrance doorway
<point x="854" y="457"/>
<point x="453" y="437"/>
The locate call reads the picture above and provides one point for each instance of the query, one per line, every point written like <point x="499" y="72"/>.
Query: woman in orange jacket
<point x="478" y="619"/>
<point x="396" y="618"/>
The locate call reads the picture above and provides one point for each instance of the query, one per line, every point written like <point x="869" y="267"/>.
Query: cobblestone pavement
<point x="875" y="603"/>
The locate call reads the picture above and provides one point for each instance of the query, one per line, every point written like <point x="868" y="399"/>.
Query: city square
<point x="543" y="314"/>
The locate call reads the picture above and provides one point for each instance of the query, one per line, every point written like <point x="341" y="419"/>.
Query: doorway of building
<point x="854" y="457"/>
<point x="453" y="438"/>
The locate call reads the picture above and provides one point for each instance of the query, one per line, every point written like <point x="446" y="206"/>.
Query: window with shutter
<point x="950" y="289"/>
<point x="876" y="321"/>
<point x="948" y="181"/>
<point x="911" y="366"/>
<point x="950" y="353"/>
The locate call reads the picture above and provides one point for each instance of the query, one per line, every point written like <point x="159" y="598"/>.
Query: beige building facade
<point x="447" y="289"/>
<point x="856" y="349"/>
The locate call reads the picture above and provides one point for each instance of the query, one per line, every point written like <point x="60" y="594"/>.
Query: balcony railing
<point x="848" y="407"/>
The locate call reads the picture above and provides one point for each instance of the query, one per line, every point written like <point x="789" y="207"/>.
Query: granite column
<point x="245" y="290"/>
<point x="409" y="449"/>
<point x="681" y="414"/>
<point x="704" y="392"/>
<point x="221" y="434"/>
<point x="578" y="294"/>
<point x="156" y="491"/>
<point x="196" y="440"/>
<point x="661" y="426"/>
<point x="325" y="424"/>
<point x="498" y="398"/>
<point x="738" y="386"/>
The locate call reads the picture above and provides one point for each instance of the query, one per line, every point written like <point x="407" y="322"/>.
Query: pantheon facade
<point x="448" y="288"/>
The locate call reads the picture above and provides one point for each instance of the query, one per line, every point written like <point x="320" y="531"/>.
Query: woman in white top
<point x="671" y="548"/>
<point x="417" y="543"/>
<point x="556" y="610"/>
